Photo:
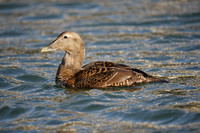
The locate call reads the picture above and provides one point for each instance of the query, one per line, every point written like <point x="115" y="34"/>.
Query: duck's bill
<point x="47" y="49"/>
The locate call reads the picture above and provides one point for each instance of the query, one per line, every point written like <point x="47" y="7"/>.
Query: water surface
<point x="159" y="37"/>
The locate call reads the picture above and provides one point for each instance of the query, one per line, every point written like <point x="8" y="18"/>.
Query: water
<point x="157" y="36"/>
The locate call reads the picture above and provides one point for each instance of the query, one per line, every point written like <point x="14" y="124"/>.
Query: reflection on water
<point x="159" y="37"/>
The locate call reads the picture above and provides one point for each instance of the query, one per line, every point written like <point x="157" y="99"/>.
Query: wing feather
<point x="100" y="77"/>
<point x="102" y="74"/>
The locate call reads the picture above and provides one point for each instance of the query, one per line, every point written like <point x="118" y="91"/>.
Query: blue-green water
<point x="160" y="37"/>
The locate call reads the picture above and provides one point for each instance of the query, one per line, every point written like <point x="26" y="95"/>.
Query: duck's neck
<point x="72" y="61"/>
<point x="70" y="65"/>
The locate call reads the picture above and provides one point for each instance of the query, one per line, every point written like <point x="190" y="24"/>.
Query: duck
<point x="98" y="74"/>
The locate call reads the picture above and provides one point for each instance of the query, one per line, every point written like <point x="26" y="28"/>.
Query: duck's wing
<point x="108" y="64"/>
<point x="100" y="77"/>
<point x="102" y="74"/>
<point x="105" y="64"/>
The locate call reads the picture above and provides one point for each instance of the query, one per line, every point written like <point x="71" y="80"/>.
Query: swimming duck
<point x="98" y="74"/>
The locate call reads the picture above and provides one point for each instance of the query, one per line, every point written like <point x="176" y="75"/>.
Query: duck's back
<point x="103" y="74"/>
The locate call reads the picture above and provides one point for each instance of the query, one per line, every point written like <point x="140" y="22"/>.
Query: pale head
<point x="74" y="47"/>
<point x="70" y="42"/>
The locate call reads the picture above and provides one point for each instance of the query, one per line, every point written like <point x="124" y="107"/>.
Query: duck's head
<point x="70" y="42"/>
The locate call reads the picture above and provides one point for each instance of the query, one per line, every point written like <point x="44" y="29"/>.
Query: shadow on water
<point x="109" y="89"/>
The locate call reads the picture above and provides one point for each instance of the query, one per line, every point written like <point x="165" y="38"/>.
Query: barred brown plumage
<point x="99" y="74"/>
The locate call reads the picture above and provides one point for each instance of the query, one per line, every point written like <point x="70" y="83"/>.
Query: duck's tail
<point x="155" y="79"/>
<point x="149" y="78"/>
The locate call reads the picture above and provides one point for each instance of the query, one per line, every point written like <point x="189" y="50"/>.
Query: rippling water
<point x="157" y="36"/>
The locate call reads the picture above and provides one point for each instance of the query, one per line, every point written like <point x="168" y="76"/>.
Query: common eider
<point x="99" y="74"/>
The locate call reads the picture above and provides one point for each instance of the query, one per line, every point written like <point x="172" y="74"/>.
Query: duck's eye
<point x="65" y="37"/>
